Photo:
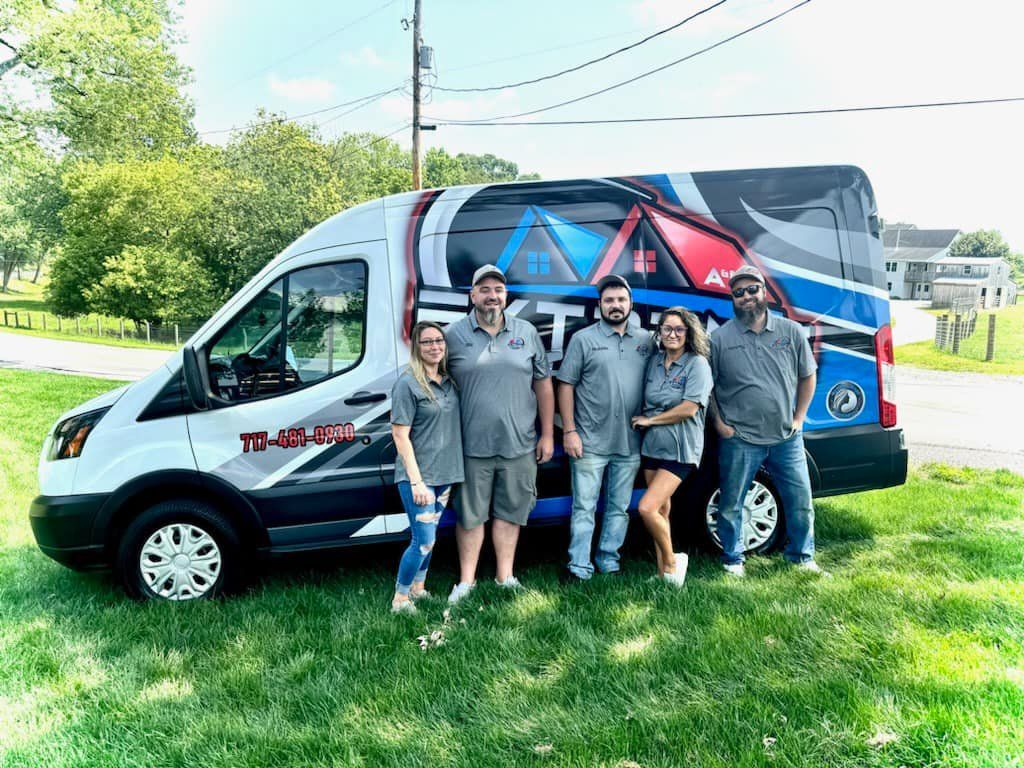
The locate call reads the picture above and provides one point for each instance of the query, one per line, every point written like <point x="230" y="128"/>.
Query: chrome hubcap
<point x="760" y="516"/>
<point x="180" y="562"/>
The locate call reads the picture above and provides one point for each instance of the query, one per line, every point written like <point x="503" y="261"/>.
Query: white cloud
<point x="313" y="90"/>
<point x="367" y="58"/>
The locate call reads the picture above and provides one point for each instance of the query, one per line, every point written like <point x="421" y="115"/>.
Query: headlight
<point x="70" y="435"/>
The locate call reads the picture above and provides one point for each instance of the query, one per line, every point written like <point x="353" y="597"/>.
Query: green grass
<point x="1009" y="351"/>
<point x="23" y="297"/>
<point x="920" y="635"/>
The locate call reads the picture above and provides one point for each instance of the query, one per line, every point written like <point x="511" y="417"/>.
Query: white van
<point x="268" y="432"/>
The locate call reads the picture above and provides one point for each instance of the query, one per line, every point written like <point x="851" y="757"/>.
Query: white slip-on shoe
<point x="421" y="595"/>
<point x="459" y="591"/>
<point x="678" y="576"/>
<point x="736" y="570"/>
<point x="510" y="583"/>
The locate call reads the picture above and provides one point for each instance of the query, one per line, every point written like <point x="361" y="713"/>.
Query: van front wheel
<point x="180" y="549"/>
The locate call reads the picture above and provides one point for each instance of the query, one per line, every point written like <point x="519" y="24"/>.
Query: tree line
<point x="105" y="177"/>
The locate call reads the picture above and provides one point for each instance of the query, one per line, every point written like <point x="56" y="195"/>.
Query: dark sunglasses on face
<point x="750" y="290"/>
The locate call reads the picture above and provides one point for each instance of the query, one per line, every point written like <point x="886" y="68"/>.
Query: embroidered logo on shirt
<point x="643" y="349"/>
<point x="678" y="382"/>
<point x="781" y="343"/>
<point x="516" y="342"/>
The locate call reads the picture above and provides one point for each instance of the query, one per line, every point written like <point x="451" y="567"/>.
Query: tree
<point x="487" y="169"/>
<point x="107" y="70"/>
<point x="123" y="218"/>
<point x="442" y="170"/>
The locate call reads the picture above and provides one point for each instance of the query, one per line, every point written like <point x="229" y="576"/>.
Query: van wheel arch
<point x="134" y="498"/>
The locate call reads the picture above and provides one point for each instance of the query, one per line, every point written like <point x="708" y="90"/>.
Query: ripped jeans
<point x="423" y="522"/>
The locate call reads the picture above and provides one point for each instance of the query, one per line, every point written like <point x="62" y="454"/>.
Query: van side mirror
<point x="194" y="379"/>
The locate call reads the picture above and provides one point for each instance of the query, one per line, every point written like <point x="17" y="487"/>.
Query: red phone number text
<point x="298" y="438"/>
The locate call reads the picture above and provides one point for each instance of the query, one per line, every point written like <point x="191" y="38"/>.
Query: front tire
<point x="181" y="549"/>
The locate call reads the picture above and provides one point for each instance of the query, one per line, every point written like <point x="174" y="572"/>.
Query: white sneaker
<point x="460" y="590"/>
<point x="678" y="576"/>
<point x="421" y="595"/>
<point x="404" y="606"/>
<point x="736" y="570"/>
<point x="812" y="567"/>
<point x="510" y="583"/>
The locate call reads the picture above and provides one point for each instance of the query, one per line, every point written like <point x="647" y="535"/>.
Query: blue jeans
<point x="738" y="462"/>
<point x="423" y="525"/>
<point x="587" y="476"/>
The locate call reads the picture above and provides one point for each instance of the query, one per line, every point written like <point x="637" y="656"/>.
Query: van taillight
<point x="886" y="377"/>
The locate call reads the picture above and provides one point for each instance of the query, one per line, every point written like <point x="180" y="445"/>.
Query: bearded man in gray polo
<point x="765" y="376"/>
<point x="601" y="387"/>
<point x="504" y="379"/>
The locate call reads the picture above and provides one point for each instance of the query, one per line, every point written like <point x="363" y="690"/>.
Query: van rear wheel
<point x="181" y="549"/>
<point x="764" y="524"/>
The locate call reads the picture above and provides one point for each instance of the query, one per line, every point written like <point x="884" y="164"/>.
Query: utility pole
<point x="416" y="182"/>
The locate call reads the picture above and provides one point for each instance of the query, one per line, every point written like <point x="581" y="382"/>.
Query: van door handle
<point x="362" y="398"/>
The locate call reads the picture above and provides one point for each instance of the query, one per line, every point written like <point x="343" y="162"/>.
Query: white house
<point x="918" y="266"/>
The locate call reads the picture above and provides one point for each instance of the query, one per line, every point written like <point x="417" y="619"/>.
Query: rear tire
<point x="180" y="549"/>
<point x="764" y="521"/>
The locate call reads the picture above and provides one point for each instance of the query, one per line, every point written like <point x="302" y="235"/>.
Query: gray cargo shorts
<point x="510" y="483"/>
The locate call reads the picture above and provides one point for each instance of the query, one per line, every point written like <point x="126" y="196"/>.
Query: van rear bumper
<point x="63" y="528"/>
<point x="851" y="459"/>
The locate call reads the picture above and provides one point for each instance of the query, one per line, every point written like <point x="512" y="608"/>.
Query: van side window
<point x="305" y="327"/>
<point x="326" y="313"/>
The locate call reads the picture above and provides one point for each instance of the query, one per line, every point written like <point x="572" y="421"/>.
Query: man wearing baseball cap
<point x="764" y="375"/>
<point x="601" y="387"/>
<point x="504" y="380"/>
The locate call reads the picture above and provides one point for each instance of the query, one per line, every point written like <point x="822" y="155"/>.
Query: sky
<point x="959" y="167"/>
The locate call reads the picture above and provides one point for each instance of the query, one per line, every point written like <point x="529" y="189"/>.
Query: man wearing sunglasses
<point x="764" y="375"/>
<point x="601" y="387"/>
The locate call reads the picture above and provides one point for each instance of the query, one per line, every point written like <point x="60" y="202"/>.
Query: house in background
<point x="918" y="266"/>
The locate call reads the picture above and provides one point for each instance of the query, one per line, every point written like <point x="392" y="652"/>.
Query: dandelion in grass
<point x="881" y="739"/>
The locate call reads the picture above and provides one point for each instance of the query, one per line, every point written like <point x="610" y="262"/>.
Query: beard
<point x="489" y="314"/>
<point x="750" y="313"/>
<point x="615" y="317"/>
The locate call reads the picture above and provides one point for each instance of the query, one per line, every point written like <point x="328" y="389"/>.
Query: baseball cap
<point x="488" y="270"/>
<point x="610" y="280"/>
<point x="749" y="271"/>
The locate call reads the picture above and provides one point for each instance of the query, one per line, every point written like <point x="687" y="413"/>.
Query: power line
<point x="738" y="115"/>
<point x="585" y="64"/>
<point x="625" y="82"/>
<point x="368" y="99"/>
<point x="313" y="44"/>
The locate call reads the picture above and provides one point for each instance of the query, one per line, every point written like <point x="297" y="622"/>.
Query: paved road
<point x="35" y="353"/>
<point x="912" y="322"/>
<point x="966" y="419"/>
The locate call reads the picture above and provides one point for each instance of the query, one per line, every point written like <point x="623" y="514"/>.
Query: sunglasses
<point x="749" y="290"/>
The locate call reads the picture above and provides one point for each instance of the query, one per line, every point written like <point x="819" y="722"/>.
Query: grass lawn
<point x="912" y="655"/>
<point x="1009" y="352"/>
<point x="24" y="296"/>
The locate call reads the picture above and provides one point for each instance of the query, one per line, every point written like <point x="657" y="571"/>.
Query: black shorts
<point x="677" y="468"/>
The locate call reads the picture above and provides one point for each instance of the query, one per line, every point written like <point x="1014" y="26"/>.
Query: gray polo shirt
<point x="756" y="375"/>
<point x="495" y="377"/>
<point x="435" y="431"/>
<point x="606" y="370"/>
<point x="688" y="378"/>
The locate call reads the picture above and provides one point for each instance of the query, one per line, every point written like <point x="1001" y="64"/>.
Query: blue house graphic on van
<point x="546" y="245"/>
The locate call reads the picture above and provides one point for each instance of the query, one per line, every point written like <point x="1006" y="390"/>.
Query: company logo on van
<point x="845" y="400"/>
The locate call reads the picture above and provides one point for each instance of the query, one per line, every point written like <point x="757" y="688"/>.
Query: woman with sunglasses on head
<point x="677" y="388"/>
<point x="427" y="432"/>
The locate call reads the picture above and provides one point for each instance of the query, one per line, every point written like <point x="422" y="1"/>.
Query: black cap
<point x="613" y="280"/>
